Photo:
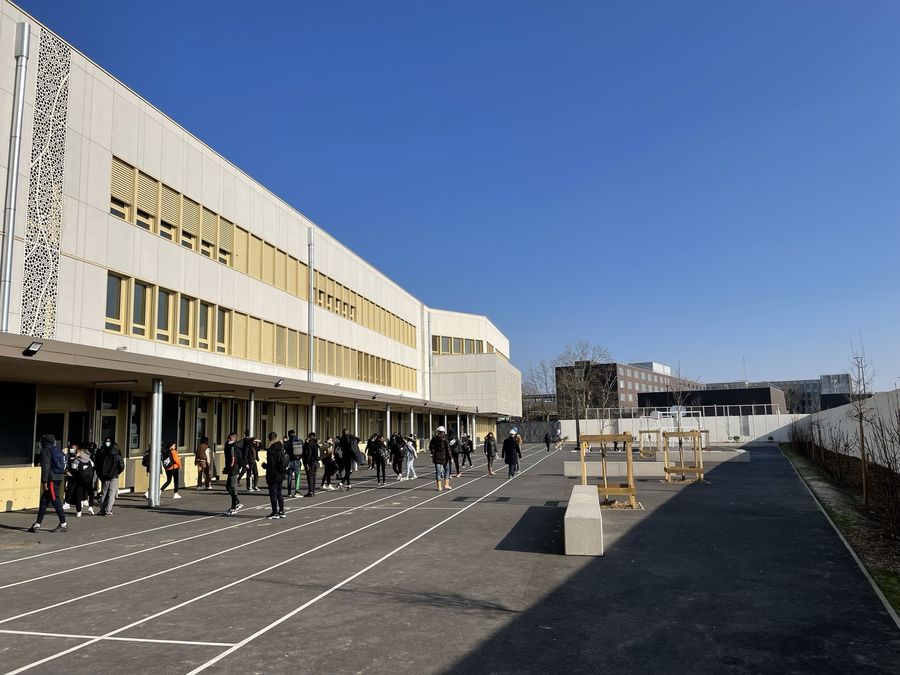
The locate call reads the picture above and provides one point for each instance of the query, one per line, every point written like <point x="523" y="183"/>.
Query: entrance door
<point x="49" y="423"/>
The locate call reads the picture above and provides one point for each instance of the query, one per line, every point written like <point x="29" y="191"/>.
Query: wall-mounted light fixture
<point x="279" y="382"/>
<point x="32" y="349"/>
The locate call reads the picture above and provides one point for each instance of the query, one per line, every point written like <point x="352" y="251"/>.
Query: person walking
<point x="329" y="466"/>
<point x="295" y="448"/>
<point x="311" y="456"/>
<point x="397" y="447"/>
<point x="439" y="447"/>
<point x="380" y="454"/>
<point x="349" y="449"/>
<point x="232" y="469"/>
<point x="453" y="441"/>
<point x="548" y="439"/>
<point x="412" y="451"/>
<point x="370" y="451"/>
<point x="109" y="465"/>
<point x="511" y="453"/>
<point x="466" y="450"/>
<point x="276" y="466"/>
<point x="53" y="469"/>
<point x="81" y="475"/>
<point x="69" y="484"/>
<point x="171" y="463"/>
<point x="251" y="457"/>
<point x="201" y="461"/>
<point x="490" y="451"/>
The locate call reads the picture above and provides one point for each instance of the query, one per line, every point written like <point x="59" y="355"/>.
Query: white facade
<point x="94" y="119"/>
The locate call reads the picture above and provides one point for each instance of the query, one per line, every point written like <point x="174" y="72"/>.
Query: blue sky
<point x="699" y="183"/>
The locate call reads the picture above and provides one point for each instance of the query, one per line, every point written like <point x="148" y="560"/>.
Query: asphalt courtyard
<point x="743" y="574"/>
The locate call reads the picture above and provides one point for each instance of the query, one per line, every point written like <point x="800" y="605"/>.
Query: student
<point x="548" y="439"/>
<point x="350" y="454"/>
<point x="453" y="442"/>
<point x="490" y="451"/>
<point x="233" y="464"/>
<point x="53" y="468"/>
<point x="171" y="463"/>
<point x="511" y="453"/>
<point x="276" y="466"/>
<point x="295" y="446"/>
<point x="311" y="455"/>
<point x="201" y="461"/>
<point x="109" y="464"/>
<point x="252" y="446"/>
<point x="329" y="466"/>
<point x="466" y="449"/>
<point x="397" y="451"/>
<point x="370" y="451"/>
<point x="439" y="447"/>
<point x="380" y="454"/>
<point x="69" y="485"/>
<point x="81" y="472"/>
<point x="412" y="451"/>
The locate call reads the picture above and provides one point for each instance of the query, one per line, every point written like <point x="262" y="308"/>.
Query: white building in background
<point x="140" y="254"/>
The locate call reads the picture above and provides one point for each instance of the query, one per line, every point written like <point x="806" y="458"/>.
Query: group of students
<point x="91" y="474"/>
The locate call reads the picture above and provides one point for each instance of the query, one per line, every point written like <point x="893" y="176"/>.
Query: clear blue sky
<point x="689" y="182"/>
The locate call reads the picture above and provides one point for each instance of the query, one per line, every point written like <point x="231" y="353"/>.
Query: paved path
<point x="740" y="575"/>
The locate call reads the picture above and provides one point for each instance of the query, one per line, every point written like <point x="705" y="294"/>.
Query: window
<point x="185" y="321"/>
<point x="121" y="189"/>
<point x="115" y="303"/>
<point x="457" y="345"/>
<point x="223" y="318"/>
<point x="469" y="346"/>
<point x="226" y="241"/>
<point x="144" y="220"/>
<point x="164" y="308"/>
<point x="188" y="240"/>
<point x="479" y="346"/>
<point x="435" y="344"/>
<point x="167" y="230"/>
<point x="118" y="208"/>
<point x="207" y="249"/>
<point x="445" y="345"/>
<point x="204" y="321"/>
<point x="140" y="309"/>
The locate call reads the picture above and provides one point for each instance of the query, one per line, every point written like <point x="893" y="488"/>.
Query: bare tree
<point x="860" y="410"/>
<point x="539" y="385"/>
<point x="884" y="446"/>
<point x="579" y="378"/>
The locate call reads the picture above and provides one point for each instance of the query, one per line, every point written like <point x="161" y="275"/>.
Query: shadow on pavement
<point x="539" y="530"/>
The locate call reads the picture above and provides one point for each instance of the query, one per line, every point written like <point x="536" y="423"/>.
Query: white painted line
<point x="190" y="643"/>
<point x="324" y="594"/>
<point x="884" y="601"/>
<point x="245" y="578"/>
<point x="218" y="553"/>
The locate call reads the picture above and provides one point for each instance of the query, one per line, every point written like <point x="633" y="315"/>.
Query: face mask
<point x="107" y="444"/>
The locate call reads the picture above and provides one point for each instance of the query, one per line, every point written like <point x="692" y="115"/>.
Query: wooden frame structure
<point x="646" y="451"/>
<point x="627" y="489"/>
<point x="696" y="447"/>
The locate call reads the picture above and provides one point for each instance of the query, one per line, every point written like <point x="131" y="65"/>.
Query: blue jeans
<point x="293" y="477"/>
<point x="410" y="466"/>
<point x="440" y="471"/>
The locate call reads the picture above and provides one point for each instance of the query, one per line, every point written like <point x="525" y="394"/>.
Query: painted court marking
<point x="190" y="643"/>
<point x="228" y="550"/>
<point x="269" y="569"/>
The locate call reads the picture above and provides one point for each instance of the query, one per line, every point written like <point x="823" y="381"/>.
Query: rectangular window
<point x="207" y="249"/>
<point x="226" y="241"/>
<point x="166" y="230"/>
<point x="185" y="321"/>
<point x="223" y="319"/>
<point x="435" y="344"/>
<point x="479" y="346"/>
<point x="140" y="309"/>
<point x="144" y="220"/>
<point x="118" y="208"/>
<point x="445" y="345"/>
<point x="469" y="347"/>
<point x="188" y="240"/>
<point x="204" y="319"/>
<point x="121" y="189"/>
<point x="115" y="303"/>
<point x="164" y="308"/>
<point x="457" y="345"/>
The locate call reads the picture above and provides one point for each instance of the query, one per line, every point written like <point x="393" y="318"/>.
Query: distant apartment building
<point x="617" y="385"/>
<point x="803" y="396"/>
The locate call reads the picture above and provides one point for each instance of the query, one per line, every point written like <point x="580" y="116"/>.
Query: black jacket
<point x="46" y="463"/>
<point x="439" y="448"/>
<point x="234" y="458"/>
<point x="511" y="452"/>
<point x="100" y="462"/>
<point x="490" y="447"/>
<point x="272" y="475"/>
<point x="312" y="453"/>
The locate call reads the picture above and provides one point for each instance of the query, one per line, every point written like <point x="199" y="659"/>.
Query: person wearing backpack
<point x="311" y="455"/>
<point x="397" y="447"/>
<point x="251" y="456"/>
<point x="81" y="475"/>
<point x="109" y="464"/>
<point x="276" y="467"/>
<point x="455" y="448"/>
<point x="295" y="445"/>
<point x="439" y="448"/>
<point x="329" y="466"/>
<point x="53" y="468"/>
<point x="171" y="463"/>
<point x="411" y="452"/>
<point x="201" y="461"/>
<point x="233" y="464"/>
<point x="466" y="449"/>
<point x="348" y="448"/>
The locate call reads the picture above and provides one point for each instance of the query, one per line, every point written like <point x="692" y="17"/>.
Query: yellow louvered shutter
<point x="147" y="193"/>
<point x="190" y="217"/>
<point x="210" y="226"/>
<point x="303" y="352"/>
<point x="122" y="181"/>
<point x="170" y="206"/>
<point x="293" y="344"/>
<point x="226" y="235"/>
<point x="281" y="345"/>
<point x="267" y="342"/>
<point x="239" y="335"/>
<point x="241" y="249"/>
<point x="253" y="330"/>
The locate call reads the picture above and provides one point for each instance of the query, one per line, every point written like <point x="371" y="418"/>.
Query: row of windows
<point x="154" y="206"/>
<point x="140" y="309"/>
<point x="335" y="297"/>
<point x="441" y="344"/>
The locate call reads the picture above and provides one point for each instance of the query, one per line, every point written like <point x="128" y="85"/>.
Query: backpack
<point x="297" y="449"/>
<point x="281" y="461"/>
<point x="85" y="472"/>
<point x="312" y="452"/>
<point x="145" y="459"/>
<point x="57" y="461"/>
<point x="110" y="467"/>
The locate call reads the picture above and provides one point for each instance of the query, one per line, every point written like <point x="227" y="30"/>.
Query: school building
<point x="153" y="291"/>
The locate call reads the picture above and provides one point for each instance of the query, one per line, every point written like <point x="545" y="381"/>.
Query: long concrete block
<point x="583" y="522"/>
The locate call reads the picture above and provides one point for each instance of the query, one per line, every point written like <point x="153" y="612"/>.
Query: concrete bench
<point x="583" y="522"/>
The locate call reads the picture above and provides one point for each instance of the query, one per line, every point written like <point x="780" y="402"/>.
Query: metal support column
<point x="156" y="403"/>
<point x="430" y="426"/>
<point x="312" y="416"/>
<point x="387" y="431"/>
<point x="458" y="427"/>
<point x="412" y="421"/>
<point x="356" y="418"/>
<point x="23" y="42"/>
<point x="251" y="413"/>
